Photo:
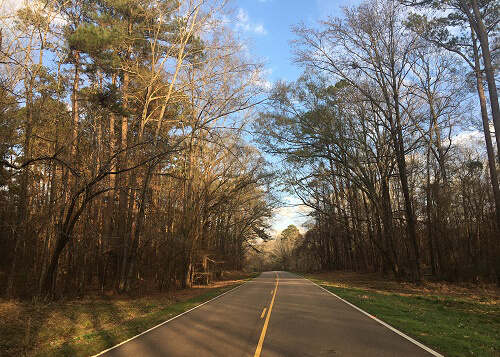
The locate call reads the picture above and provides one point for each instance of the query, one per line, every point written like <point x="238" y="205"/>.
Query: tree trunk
<point x="488" y="69"/>
<point x="487" y="134"/>
<point x="123" y="196"/>
<point x="20" y="226"/>
<point x="403" y="176"/>
<point x="430" y="229"/>
<point x="72" y="216"/>
<point x="138" y="226"/>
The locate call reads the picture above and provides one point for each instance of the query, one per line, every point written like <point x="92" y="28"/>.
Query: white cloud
<point x="262" y="80"/>
<point x="243" y="23"/>
<point x="9" y="9"/>
<point x="289" y="212"/>
<point x="468" y="137"/>
<point x="294" y="212"/>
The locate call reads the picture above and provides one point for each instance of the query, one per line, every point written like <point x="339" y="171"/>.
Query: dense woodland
<point x="373" y="137"/>
<point x="123" y="162"/>
<point x="126" y="164"/>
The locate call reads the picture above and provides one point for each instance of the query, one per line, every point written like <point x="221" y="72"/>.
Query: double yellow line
<point x="264" y="329"/>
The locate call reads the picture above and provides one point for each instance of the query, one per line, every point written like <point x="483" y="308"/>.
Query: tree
<point x="482" y="20"/>
<point x="286" y="244"/>
<point x="131" y="144"/>
<point x="476" y="23"/>
<point x="368" y="136"/>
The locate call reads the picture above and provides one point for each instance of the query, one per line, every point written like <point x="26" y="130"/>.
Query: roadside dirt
<point x="372" y="281"/>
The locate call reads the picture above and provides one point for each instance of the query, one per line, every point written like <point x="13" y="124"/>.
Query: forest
<point x="123" y="161"/>
<point x="391" y="138"/>
<point x="136" y="136"/>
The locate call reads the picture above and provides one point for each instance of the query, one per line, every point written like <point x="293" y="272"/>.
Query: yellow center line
<point x="272" y="291"/>
<point x="264" y="329"/>
<point x="263" y="312"/>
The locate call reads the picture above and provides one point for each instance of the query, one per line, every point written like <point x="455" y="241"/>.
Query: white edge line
<point x="173" y="318"/>
<point x="431" y="351"/>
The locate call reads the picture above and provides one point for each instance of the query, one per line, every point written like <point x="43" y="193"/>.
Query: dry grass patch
<point x="83" y="327"/>
<point x="483" y="293"/>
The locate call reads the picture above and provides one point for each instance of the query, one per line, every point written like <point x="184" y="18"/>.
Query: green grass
<point x="450" y="325"/>
<point x="84" y="328"/>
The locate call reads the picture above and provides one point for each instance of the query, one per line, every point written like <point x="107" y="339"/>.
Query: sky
<point x="267" y="25"/>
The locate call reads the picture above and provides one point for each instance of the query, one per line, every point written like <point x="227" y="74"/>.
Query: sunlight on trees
<point x="368" y="134"/>
<point x="123" y="162"/>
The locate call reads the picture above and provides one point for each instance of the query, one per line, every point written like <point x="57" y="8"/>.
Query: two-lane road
<point x="276" y="314"/>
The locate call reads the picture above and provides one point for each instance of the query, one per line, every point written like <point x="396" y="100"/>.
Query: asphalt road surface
<point x="276" y="314"/>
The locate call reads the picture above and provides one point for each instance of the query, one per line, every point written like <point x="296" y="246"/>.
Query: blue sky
<point x="267" y="24"/>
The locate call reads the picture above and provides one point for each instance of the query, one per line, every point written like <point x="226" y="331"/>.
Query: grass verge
<point x="454" y="325"/>
<point x="80" y="328"/>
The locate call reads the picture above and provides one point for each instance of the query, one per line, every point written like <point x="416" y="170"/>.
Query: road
<point x="276" y="314"/>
